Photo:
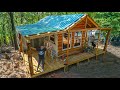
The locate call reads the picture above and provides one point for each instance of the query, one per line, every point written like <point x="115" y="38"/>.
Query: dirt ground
<point x="12" y="66"/>
<point x="107" y="68"/>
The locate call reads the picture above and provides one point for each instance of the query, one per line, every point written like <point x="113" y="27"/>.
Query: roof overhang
<point x="67" y="29"/>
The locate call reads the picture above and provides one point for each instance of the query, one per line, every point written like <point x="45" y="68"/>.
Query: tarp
<point x="49" y="24"/>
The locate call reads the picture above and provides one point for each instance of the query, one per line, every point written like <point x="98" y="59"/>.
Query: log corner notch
<point x="30" y="59"/>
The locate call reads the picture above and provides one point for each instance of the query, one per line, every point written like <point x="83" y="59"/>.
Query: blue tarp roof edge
<point x="49" y="24"/>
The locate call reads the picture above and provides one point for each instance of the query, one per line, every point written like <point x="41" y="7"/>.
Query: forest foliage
<point x="8" y="21"/>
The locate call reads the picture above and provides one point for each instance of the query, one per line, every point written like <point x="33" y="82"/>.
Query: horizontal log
<point x="70" y="50"/>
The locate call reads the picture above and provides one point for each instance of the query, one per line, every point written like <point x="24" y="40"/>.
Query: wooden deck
<point x="58" y="64"/>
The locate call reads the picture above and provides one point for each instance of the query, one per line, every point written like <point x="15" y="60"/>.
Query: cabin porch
<point x="52" y="65"/>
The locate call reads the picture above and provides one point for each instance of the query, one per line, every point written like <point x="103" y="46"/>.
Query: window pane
<point x="77" y="38"/>
<point x="65" y="40"/>
<point x="52" y="38"/>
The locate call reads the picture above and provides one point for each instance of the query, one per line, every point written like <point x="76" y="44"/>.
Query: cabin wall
<point x="24" y="43"/>
<point x="36" y="43"/>
<point x="72" y="49"/>
<point x="59" y="42"/>
<point x="54" y="46"/>
<point x="46" y="41"/>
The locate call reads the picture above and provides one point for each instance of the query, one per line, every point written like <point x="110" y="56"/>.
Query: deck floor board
<point x="51" y="65"/>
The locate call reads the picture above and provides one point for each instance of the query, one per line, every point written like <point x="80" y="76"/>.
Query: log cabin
<point x="61" y="34"/>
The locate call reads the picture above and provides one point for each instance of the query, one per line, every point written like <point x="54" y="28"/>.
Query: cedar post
<point x="97" y="44"/>
<point x="30" y="59"/>
<point x="68" y="47"/>
<point x="106" y="43"/>
<point x="21" y="43"/>
<point x="86" y="39"/>
<point x="66" y="63"/>
<point x="107" y="38"/>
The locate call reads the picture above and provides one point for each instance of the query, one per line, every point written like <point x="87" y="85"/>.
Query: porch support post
<point x="67" y="62"/>
<point x="107" y="38"/>
<point x="97" y="45"/>
<point x="68" y="47"/>
<point x="30" y="59"/>
<point x="86" y="39"/>
<point x="106" y="43"/>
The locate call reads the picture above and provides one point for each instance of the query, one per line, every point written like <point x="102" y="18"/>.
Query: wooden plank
<point x="73" y="36"/>
<point x="106" y="29"/>
<point x="70" y="50"/>
<point x="59" y="65"/>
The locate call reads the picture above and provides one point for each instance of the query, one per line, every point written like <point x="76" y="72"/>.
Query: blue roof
<point x="49" y="24"/>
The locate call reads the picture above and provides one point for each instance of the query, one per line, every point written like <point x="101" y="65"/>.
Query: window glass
<point x="65" y="40"/>
<point x="77" y="39"/>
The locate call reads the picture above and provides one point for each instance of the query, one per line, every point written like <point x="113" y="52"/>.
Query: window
<point x="77" y="39"/>
<point x="52" y="38"/>
<point x="65" y="40"/>
<point x="92" y="36"/>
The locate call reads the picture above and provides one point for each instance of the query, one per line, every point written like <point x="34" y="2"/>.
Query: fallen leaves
<point x="12" y="67"/>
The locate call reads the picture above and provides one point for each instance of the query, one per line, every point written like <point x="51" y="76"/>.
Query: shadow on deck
<point x="52" y="65"/>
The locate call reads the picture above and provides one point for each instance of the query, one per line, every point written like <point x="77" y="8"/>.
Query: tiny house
<point x="53" y="32"/>
<point x="62" y="35"/>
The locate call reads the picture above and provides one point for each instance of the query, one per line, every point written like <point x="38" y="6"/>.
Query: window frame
<point x="70" y="41"/>
<point x="80" y="41"/>
<point x="51" y="40"/>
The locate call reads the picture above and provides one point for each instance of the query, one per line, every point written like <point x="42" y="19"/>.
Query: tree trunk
<point x="13" y="29"/>
<point x="3" y="31"/>
<point x="11" y="38"/>
<point x="4" y="34"/>
<point x="38" y="14"/>
<point x="10" y="33"/>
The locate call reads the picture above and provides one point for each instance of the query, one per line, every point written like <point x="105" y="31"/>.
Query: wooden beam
<point x="106" y="29"/>
<point x="62" y="31"/>
<point x="44" y="34"/>
<point x="30" y="59"/>
<point x="68" y="47"/>
<point x="78" y="29"/>
<point x="86" y="22"/>
<point x="107" y="38"/>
